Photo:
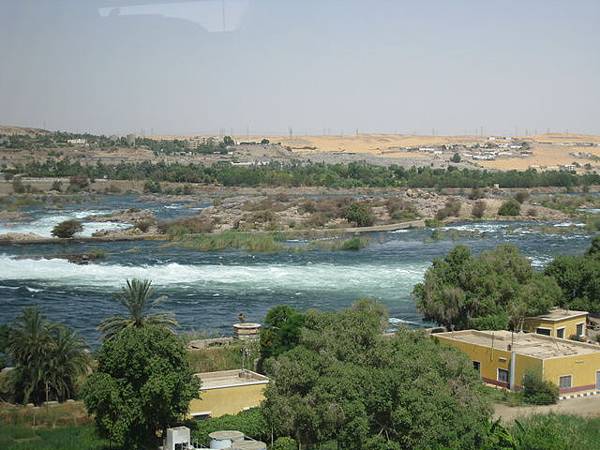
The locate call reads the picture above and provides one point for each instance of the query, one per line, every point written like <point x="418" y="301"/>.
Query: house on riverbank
<point x="228" y="392"/>
<point x="502" y="358"/>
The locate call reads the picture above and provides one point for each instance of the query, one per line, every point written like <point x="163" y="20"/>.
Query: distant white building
<point x="77" y="141"/>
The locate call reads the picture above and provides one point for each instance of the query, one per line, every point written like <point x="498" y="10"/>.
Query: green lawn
<point x="499" y="395"/>
<point x="79" y="437"/>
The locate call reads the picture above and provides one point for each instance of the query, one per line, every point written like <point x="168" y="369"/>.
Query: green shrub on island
<point x="522" y="196"/>
<point x="251" y="242"/>
<point x="510" y="208"/>
<point x="67" y="229"/>
<point x="537" y="391"/>
<point x="479" y="208"/>
<point x="354" y="244"/>
<point x="433" y="223"/>
<point x="152" y="187"/>
<point x="359" y="214"/>
<point x="452" y="208"/>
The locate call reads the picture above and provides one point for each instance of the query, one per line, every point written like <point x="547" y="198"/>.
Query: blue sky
<point x="263" y="66"/>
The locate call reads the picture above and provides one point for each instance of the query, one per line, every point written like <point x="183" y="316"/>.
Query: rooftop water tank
<point x="249" y="445"/>
<point x="246" y="330"/>
<point x="225" y="438"/>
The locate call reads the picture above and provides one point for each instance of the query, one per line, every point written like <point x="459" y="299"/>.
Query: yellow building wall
<point x="525" y="364"/>
<point x="569" y="324"/>
<point x="490" y="360"/>
<point x="582" y="369"/>
<point x="228" y="400"/>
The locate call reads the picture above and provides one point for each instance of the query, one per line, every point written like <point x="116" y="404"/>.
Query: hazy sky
<point x="115" y="66"/>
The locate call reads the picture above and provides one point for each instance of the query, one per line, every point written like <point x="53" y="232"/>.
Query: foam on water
<point x="319" y="276"/>
<point x="43" y="226"/>
<point x="480" y="227"/>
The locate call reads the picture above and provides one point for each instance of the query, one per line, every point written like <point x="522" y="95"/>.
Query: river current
<point x="207" y="290"/>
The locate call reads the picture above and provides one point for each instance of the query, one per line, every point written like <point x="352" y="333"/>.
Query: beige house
<point x="560" y="323"/>
<point x="228" y="392"/>
<point x="503" y="358"/>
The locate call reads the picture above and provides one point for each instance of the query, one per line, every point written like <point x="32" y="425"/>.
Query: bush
<point x="56" y="186"/>
<point x="522" y="196"/>
<point x="355" y="243"/>
<point x="144" y="225"/>
<point x="284" y="443"/>
<point x="152" y="187"/>
<point x="556" y="432"/>
<point x="452" y="208"/>
<point x="476" y="194"/>
<point x="181" y="227"/>
<point x="359" y="214"/>
<point x="251" y="422"/>
<point x="510" y="208"/>
<point x="537" y="391"/>
<point x="67" y="229"/>
<point x="456" y="158"/>
<point x="309" y="206"/>
<point x="79" y="182"/>
<point x="18" y="186"/>
<point x="478" y="209"/>
<point x="532" y="212"/>
<point x="433" y="223"/>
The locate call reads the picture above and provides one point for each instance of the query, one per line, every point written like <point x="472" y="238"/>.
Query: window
<point x="503" y="376"/>
<point x="560" y="333"/>
<point x="564" y="382"/>
<point x="544" y="331"/>
<point x="477" y="366"/>
<point x="580" y="329"/>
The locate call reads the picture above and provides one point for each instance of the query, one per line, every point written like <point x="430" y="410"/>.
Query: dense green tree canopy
<point x="281" y="331"/>
<point x="495" y="290"/>
<point x="142" y="385"/>
<point x="347" y="382"/>
<point x="308" y="174"/>
<point x="579" y="278"/>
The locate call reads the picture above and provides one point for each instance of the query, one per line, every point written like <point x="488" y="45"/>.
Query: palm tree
<point x="28" y="346"/>
<point x="48" y="358"/>
<point x="136" y="298"/>
<point x="68" y="360"/>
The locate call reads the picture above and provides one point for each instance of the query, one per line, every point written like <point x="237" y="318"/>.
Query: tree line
<point x="294" y="174"/>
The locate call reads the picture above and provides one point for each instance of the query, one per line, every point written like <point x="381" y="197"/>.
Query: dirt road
<point x="584" y="406"/>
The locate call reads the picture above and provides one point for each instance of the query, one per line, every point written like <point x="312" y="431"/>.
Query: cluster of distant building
<point x="494" y="148"/>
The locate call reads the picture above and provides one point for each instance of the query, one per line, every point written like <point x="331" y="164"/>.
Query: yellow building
<point x="503" y="358"/>
<point x="560" y="323"/>
<point x="228" y="392"/>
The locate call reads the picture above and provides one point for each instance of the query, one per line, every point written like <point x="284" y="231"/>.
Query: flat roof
<point x="529" y="344"/>
<point x="230" y="378"/>
<point x="558" y="314"/>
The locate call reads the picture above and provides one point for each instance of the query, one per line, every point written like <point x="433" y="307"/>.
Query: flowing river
<point x="207" y="290"/>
